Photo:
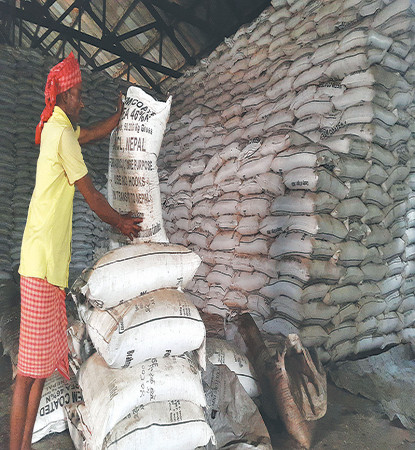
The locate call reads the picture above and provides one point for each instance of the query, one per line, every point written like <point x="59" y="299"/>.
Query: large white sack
<point x="281" y="140"/>
<point x="303" y="202"/>
<point x="348" y="144"/>
<point x="78" y="425"/>
<point x="220" y="351"/>
<point x="351" y="168"/>
<point x="57" y="393"/>
<point x="350" y="207"/>
<point x="354" y="96"/>
<point x="304" y="269"/>
<point x="169" y="425"/>
<point x="133" y="183"/>
<point x="299" y="244"/>
<point x="161" y="323"/>
<point x="342" y="294"/>
<point x="356" y="187"/>
<point x="346" y="331"/>
<point x="312" y="155"/>
<point x="322" y="226"/>
<point x="110" y="394"/>
<point x="133" y="270"/>
<point x="370" y="132"/>
<point x="351" y="61"/>
<point x="315" y="180"/>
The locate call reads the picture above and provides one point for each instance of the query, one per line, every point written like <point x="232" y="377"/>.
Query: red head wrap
<point x="61" y="77"/>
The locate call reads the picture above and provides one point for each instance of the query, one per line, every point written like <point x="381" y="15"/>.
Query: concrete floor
<point x="351" y="422"/>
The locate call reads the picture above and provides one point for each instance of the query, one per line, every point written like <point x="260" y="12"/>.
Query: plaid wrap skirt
<point x="43" y="343"/>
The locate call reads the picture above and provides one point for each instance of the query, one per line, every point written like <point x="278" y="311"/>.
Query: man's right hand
<point x="129" y="226"/>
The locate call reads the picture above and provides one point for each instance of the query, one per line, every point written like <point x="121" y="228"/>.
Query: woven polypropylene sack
<point x="133" y="270"/>
<point x="157" y="324"/>
<point x="133" y="175"/>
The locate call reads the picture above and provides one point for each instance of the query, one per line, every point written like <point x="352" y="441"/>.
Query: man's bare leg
<point x="33" y="406"/>
<point x="24" y="409"/>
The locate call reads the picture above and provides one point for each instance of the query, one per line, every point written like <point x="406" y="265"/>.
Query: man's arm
<point x="101" y="129"/>
<point x="126" y="224"/>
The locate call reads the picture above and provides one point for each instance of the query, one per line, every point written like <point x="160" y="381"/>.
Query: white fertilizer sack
<point x="78" y="425"/>
<point x="57" y="393"/>
<point x="169" y="425"/>
<point x="219" y="351"/>
<point x="133" y="270"/>
<point x="133" y="178"/>
<point x="110" y="394"/>
<point x="161" y="323"/>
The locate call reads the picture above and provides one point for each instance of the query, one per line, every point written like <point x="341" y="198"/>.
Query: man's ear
<point x="65" y="96"/>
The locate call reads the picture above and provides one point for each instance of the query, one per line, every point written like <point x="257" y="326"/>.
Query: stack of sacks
<point x="23" y="75"/>
<point x="407" y="306"/>
<point x="28" y="102"/>
<point x="371" y="130"/>
<point x="304" y="228"/>
<point x="82" y="236"/>
<point x="10" y="320"/>
<point x="144" y="375"/>
<point x="7" y="174"/>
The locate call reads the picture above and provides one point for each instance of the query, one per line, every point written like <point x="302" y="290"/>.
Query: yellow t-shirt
<point x="46" y="245"/>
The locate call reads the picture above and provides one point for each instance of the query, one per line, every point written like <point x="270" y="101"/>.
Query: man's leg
<point x="25" y="403"/>
<point x="33" y="406"/>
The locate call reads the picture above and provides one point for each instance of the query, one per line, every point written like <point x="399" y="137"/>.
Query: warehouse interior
<point x="285" y="164"/>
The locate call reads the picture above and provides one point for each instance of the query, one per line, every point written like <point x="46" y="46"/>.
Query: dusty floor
<point x="351" y="422"/>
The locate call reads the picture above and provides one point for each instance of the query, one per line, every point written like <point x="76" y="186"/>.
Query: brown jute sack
<point x="293" y="383"/>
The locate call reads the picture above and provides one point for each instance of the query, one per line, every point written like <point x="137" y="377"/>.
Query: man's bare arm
<point x="101" y="129"/>
<point x="127" y="225"/>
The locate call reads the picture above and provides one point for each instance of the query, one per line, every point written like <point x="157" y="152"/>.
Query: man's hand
<point x="129" y="226"/>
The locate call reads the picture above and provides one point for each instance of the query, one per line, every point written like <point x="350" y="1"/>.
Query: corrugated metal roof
<point x="146" y="41"/>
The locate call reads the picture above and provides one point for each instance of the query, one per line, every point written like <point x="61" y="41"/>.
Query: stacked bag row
<point x="366" y="121"/>
<point x="21" y="89"/>
<point x="287" y="167"/>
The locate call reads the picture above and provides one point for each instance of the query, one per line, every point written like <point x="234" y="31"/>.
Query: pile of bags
<point x="21" y="90"/>
<point x="288" y="167"/>
<point x="145" y="332"/>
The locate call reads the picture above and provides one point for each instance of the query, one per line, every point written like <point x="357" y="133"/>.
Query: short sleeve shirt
<point x="46" y="245"/>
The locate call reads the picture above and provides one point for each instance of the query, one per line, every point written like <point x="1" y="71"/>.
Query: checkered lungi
<point x="43" y="344"/>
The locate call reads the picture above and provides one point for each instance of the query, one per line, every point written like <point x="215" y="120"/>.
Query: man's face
<point x="74" y="103"/>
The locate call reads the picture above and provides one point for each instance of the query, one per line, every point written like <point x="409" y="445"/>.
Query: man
<point x="46" y="245"/>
